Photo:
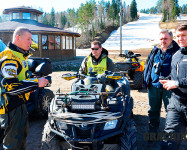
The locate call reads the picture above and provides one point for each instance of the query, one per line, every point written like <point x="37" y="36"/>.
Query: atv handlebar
<point x="130" y="54"/>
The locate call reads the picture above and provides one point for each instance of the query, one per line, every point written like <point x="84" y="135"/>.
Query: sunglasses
<point x="95" y="49"/>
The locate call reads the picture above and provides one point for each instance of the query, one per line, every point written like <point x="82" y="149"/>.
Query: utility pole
<point x="120" y="26"/>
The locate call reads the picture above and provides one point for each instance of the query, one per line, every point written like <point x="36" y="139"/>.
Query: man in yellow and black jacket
<point x="97" y="61"/>
<point x="15" y="88"/>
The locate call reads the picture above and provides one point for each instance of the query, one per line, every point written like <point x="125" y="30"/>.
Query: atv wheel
<point x="138" y="80"/>
<point x="49" y="141"/>
<point x="45" y="97"/>
<point x="128" y="138"/>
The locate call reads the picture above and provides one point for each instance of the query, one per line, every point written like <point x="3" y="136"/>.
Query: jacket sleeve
<point x="110" y="65"/>
<point x="83" y="67"/>
<point x="183" y="83"/>
<point x="148" y="67"/>
<point x="10" y="81"/>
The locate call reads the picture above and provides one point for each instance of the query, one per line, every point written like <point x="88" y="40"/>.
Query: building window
<point x="67" y="42"/>
<point x="35" y="41"/>
<point x="15" y="16"/>
<point x="63" y="42"/>
<point x="57" y="42"/>
<point x="26" y="15"/>
<point x="70" y="42"/>
<point x="51" y="41"/>
<point x="35" y="17"/>
<point x="44" y="42"/>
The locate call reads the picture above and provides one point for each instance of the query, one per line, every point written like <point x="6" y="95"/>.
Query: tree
<point x="170" y="10"/>
<point x="52" y="17"/>
<point x="133" y="10"/>
<point x="63" y="19"/>
<point x="72" y="17"/>
<point x="45" y="20"/>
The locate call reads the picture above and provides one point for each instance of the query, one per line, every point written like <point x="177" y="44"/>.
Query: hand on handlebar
<point x="42" y="82"/>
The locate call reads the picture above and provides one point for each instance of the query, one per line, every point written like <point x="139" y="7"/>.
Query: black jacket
<point x="179" y="73"/>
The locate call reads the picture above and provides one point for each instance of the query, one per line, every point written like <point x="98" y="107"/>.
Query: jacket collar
<point x="17" y="49"/>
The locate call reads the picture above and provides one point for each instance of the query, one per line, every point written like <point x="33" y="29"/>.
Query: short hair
<point x="181" y="27"/>
<point x="20" y="31"/>
<point x="167" y="31"/>
<point x="96" y="43"/>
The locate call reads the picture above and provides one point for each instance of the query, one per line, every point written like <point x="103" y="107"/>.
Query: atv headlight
<point x="110" y="124"/>
<point x="61" y="125"/>
<point x="83" y="106"/>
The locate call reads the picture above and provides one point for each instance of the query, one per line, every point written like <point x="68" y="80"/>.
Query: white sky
<point x="63" y="5"/>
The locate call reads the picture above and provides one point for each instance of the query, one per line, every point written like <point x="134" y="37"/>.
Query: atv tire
<point x="138" y="80"/>
<point x="45" y="97"/>
<point x="50" y="141"/>
<point x="128" y="138"/>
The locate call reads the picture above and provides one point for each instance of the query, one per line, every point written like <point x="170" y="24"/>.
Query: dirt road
<point x="140" y="115"/>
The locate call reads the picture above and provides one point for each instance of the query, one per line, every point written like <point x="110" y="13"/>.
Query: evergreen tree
<point x="52" y="17"/>
<point x="63" y="19"/>
<point x="45" y="20"/>
<point x="133" y="10"/>
<point x="72" y="17"/>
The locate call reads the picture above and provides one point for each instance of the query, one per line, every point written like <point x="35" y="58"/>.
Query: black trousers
<point x="176" y="123"/>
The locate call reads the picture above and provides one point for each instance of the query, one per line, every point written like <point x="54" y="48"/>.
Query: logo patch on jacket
<point x="24" y="63"/>
<point x="9" y="71"/>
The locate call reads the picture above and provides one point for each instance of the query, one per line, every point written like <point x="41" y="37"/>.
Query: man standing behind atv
<point x="158" y="64"/>
<point x="97" y="61"/>
<point x="15" y="87"/>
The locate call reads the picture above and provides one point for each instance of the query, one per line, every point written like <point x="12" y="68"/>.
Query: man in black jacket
<point x="176" y="119"/>
<point x="158" y="64"/>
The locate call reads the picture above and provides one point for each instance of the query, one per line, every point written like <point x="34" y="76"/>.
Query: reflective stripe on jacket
<point x="99" y="68"/>
<point x="15" y="82"/>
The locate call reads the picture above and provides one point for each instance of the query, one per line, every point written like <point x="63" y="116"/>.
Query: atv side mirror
<point x="43" y="69"/>
<point x="32" y="64"/>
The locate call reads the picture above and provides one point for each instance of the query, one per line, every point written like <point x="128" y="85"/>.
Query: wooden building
<point x="51" y="42"/>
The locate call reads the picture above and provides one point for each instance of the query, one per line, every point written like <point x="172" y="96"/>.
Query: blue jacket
<point x="164" y="58"/>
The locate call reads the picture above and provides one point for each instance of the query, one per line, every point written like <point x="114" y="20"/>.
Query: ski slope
<point x="142" y="33"/>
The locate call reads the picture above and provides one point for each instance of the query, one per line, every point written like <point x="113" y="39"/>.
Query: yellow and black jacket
<point x="99" y="65"/>
<point x="15" y="82"/>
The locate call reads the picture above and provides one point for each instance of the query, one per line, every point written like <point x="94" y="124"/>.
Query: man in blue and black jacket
<point x="176" y="119"/>
<point x="158" y="65"/>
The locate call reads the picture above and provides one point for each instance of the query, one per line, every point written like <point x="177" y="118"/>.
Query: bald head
<point x="22" y="38"/>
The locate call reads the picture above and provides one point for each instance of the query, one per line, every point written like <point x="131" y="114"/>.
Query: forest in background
<point x="93" y="18"/>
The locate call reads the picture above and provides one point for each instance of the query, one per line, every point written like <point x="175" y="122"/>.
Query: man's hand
<point x="42" y="82"/>
<point x="168" y="84"/>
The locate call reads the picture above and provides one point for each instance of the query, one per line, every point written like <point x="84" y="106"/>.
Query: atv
<point x="96" y="115"/>
<point x="132" y="68"/>
<point x="40" y="99"/>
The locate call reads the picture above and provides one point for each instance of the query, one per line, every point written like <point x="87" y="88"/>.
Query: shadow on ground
<point x="142" y="128"/>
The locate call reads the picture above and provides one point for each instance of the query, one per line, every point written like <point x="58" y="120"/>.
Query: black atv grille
<point x="82" y="134"/>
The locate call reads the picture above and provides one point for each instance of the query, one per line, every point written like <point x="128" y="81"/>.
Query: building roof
<point x="34" y="26"/>
<point x="21" y="9"/>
